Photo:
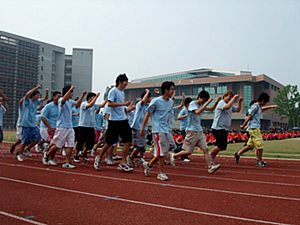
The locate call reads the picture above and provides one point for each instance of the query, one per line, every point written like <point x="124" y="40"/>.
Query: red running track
<point x="32" y="193"/>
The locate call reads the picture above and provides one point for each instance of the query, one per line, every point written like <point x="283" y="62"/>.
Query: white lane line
<point x="159" y="184"/>
<point x="21" y="218"/>
<point x="141" y="203"/>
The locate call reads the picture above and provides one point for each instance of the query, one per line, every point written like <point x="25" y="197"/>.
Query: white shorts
<point x="64" y="137"/>
<point x="161" y="144"/>
<point x="44" y="134"/>
<point x="19" y="133"/>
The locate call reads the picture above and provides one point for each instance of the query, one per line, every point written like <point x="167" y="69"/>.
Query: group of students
<point x="57" y="122"/>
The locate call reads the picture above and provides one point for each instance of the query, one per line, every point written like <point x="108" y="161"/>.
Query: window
<point x="42" y="68"/>
<point x="41" y="77"/>
<point x="221" y="89"/>
<point x="210" y="90"/>
<point x="247" y="97"/>
<point x="42" y="58"/>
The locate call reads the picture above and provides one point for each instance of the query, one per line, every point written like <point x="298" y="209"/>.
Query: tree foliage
<point x="288" y="100"/>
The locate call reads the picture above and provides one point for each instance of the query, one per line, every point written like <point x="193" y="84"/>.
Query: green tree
<point x="288" y="100"/>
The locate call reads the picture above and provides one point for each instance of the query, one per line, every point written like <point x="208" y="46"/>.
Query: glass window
<point x="247" y="97"/>
<point x="221" y="89"/>
<point x="196" y="90"/>
<point x="210" y="90"/>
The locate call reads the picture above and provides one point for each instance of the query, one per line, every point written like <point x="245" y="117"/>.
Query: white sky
<point x="144" y="38"/>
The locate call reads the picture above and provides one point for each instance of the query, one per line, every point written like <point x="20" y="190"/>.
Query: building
<point x="216" y="83"/>
<point x="26" y="63"/>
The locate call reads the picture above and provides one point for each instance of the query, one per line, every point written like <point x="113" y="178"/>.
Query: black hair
<point x="252" y="102"/>
<point x="166" y="85"/>
<point x="143" y="94"/>
<point x="76" y="98"/>
<point x="203" y="94"/>
<point x="264" y="97"/>
<point x="187" y="101"/>
<point x="89" y="95"/>
<point x="34" y="93"/>
<point x="121" y="78"/>
<point x="65" y="89"/>
<point x="56" y="93"/>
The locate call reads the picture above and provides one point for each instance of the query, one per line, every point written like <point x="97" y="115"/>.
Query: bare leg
<point x="161" y="162"/>
<point x="206" y="157"/>
<point x="214" y="152"/>
<point x="243" y="150"/>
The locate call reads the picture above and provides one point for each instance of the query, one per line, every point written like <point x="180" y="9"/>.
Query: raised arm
<point x="46" y="96"/>
<point x="212" y="108"/>
<point x="4" y="98"/>
<point x="27" y="96"/>
<point x="6" y="107"/>
<point x="239" y="105"/>
<point x="156" y="92"/>
<point x="230" y="103"/>
<point x="182" y="102"/>
<point x="89" y="105"/>
<point x="101" y="106"/>
<point x="80" y="99"/>
<point x="145" y="97"/>
<point x="201" y="110"/>
<point x="269" y="107"/>
<point x="68" y="95"/>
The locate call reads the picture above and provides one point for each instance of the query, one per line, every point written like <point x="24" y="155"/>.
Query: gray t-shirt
<point x="222" y="119"/>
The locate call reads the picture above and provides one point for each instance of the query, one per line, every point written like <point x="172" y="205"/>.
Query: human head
<point x="203" y="97"/>
<point x="122" y="80"/>
<point x="66" y="89"/>
<point x="148" y="98"/>
<point x="228" y="95"/>
<point x="167" y="86"/>
<point x="90" y="95"/>
<point x="35" y="95"/>
<point x="187" y="101"/>
<point x="263" y="98"/>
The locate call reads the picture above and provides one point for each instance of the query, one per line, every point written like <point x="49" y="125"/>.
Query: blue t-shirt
<point x="106" y="110"/>
<point x="140" y="112"/>
<point x="2" y="112"/>
<point x="171" y="118"/>
<point x="255" y="111"/>
<point x="99" y="119"/>
<point x="87" y="116"/>
<point x="183" y="122"/>
<point x="194" y="120"/>
<point x="65" y="113"/>
<point x="38" y="118"/>
<point x="50" y="112"/>
<point x="75" y="119"/>
<point x="117" y="96"/>
<point x="222" y="119"/>
<point x="131" y="116"/>
<point x="160" y="110"/>
<point x="29" y="109"/>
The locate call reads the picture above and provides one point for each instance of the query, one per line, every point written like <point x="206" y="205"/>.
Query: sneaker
<point x="83" y="156"/>
<point x="147" y="169"/>
<point x="125" y="167"/>
<point x="214" y="168"/>
<point x="76" y="159"/>
<point x="37" y="148"/>
<point x="45" y="159"/>
<point x="20" y="158"/>
<point x="109" y="161"/>
<point x="46" y="147"/>
<point x="237" y="158"/>
<point x="52" y="162"/>
<point x="141" y="160"/>
<point x="97" y="163"/>
<point x="166" y="162"/>
<point x="172" y="159"/>
<point x="63" y="152"/>
<point x="256" y="161"/>
<point x="28" y="152"/>
<point x="151" y="150"/>
<point x="93" y="152"/>
<point x="212" y="161"/>
<point x="162" y="176"/>
<point x="131" y="162"/>
<point x="262" y="164"/>
<point x="12" y="148"/>
<point x="68" y="165"/>
<point x="186" y="160"/>
<point x="116" y="157"/>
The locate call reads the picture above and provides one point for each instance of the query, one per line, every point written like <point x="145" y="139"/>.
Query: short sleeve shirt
<point x="183" y="122"/>
<point x="194" y="120"/>
<point x="75" y="119"/>
<point x="50" y="112"/>
<point x="222" y="119"/>
<point x="2" y="112"/>
<point x="255" y="111"/>
<point x="117" y="96"/>
<point x="29" y="110"/>
<point x="171" y="118"/>
<point x="87" y="115"/>
<point x="99" y="119"/>
<point x="65" y="113"/>
<point x="140" y="113"/>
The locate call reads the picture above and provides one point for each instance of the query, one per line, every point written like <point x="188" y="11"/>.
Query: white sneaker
<point x="63" y="152"/>
<point x="52" y="162"/>
<point x="37" y="148"/>
<point x="20" y="158"/>
<point x="46" y="147"/>
<point x="142" y="160"/>
<point x="28" y="152"/>
<point x="93" y="152"/>
<point x="45" y="159"/>
<point x="162" y="176"/>
<point x="146" y="169"/>
<point x="214" y="168"/>
<point x="125" y="167"/>
<point x="186" y="160"/>
<point x="97" y="163"/>
<point x="109" y="161"/>
<point x="68" y="165"/>
<point x="172" y="159"/>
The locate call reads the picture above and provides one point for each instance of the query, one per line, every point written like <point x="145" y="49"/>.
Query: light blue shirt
<point x="19" y="116"/>
<point x="117" y="96"/>
<point x="222" y="119"/>
<point x="183" y="122"/>
<point x="160" y="110"/>
<point x="171" y="118"/>
<point x="106" y="110"/>
<point x="255" y="111"/>
<point x="140" y="112"/>
<point x="87" y="116"/>
<point x="29" y="109"/>
<point x="99" y="119"/>
<point x="65" y="113"/>
<point x="50" y="112"/>
<point x="75" y="119"/>
<point x="38" y="118"/>
<point x="2" y="112"/>
<point x="131" y="116"/>
<point x="194" y="120"/>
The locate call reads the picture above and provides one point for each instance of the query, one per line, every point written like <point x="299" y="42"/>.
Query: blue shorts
<point x="30" y="134"/>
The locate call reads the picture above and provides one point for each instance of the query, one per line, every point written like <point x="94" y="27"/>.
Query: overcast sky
<point x="152" y="37"/>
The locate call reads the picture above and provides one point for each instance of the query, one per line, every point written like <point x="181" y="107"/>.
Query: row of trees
<point x="288" y="100"/>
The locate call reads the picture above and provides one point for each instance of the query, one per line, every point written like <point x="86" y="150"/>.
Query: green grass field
<point x="287" y="149"/>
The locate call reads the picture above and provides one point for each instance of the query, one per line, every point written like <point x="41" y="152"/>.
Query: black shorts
<point x="87" y="136"/>
<point x="221" y="138"/>
<point x="116" y="129"/>
<point x="76" y="131"/>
